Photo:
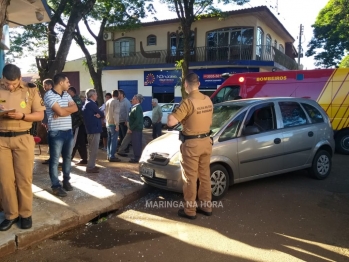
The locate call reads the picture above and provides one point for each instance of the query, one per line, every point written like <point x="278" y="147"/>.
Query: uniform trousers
<point x="195" y="164"/>
<point x="16" y="175"/>
<point x="80" y="144"/>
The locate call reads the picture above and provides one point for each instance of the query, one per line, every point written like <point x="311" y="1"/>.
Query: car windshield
<point x="221" y="115"/>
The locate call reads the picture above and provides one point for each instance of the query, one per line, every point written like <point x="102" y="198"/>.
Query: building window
<point x="229" y="43"/>
<point x="281" y="48"/>
<point x="124" y="47"/>
<point x="151" y="40"/>
<point x="268" y="43"/>
<point x="177" y="43"/>
<point x="259" y="44"/>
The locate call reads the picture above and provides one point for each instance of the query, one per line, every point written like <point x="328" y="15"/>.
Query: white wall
<point x="85" y="78"/>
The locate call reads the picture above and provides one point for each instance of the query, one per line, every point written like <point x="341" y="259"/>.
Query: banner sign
<point x="207" y="77"/>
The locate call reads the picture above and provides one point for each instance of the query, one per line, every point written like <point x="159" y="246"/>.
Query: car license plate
<point x="148" y="172"/>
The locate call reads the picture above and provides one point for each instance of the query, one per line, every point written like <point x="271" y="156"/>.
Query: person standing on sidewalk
<point x="59" y="107"/>
<point x="125" y="106"/>
<point x="79" y="130"/>
<point x="92" y="118"/>
<point x="112" y="111"/>
<point x="156" y="117"/>
<point x="136" y="127"/>
<point x="17" y="146"/>
<point x="47" y="85"/>
<point x="195" y="114"/>
<point x="104" y="134"/>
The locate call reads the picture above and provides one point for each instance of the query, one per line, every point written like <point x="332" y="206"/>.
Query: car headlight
<point x="175" y="160"/>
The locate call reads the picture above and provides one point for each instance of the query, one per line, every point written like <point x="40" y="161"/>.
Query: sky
<point x="291" y="13"/>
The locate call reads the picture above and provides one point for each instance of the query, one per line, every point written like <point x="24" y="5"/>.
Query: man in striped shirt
<point x="59" y="106"/>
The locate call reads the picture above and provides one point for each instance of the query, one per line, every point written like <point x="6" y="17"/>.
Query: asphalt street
<point x="289" y="217"/>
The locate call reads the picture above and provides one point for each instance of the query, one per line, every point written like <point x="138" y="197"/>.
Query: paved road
<point x="289" y="217"/>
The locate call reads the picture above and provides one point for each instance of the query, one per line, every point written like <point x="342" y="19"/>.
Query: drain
<point x="101" y="217"/>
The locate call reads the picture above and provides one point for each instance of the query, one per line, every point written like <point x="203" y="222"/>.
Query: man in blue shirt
<point x="92" y="118"/>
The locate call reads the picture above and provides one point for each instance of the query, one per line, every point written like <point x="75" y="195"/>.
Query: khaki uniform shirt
<point x="195" y="114"/>
<point x="24" y="100"/>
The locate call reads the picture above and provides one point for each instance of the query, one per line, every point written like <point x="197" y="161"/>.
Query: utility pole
<point x="301" y="28"/>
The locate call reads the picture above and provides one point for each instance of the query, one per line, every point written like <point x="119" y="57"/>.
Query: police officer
<point x="195" y="114"/>
<point x="17" y="146"/>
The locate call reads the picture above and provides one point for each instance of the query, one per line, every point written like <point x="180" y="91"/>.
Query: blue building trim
<point x="254" y="63"/>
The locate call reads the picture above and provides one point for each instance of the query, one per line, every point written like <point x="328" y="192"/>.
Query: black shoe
<point x="81" y="163"/>
<point x="114" y="159"/>
<point x="67" y="186"/>
<point x="198" y="210"/>
<point x="181" y="213"/>
<point x="7" y="224"/>
<point x="26" y="223"/>
<point x="46" y="162"/>
<point x="122" y="154"/>
<point x="59" y="192"/>
<point x="132" y="160"/>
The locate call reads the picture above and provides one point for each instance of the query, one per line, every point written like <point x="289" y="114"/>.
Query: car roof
<point x="250" y="101"/>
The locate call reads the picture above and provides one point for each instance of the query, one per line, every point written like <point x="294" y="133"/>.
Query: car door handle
<point x="310" y="134"/>
<point x="277" y="141"/>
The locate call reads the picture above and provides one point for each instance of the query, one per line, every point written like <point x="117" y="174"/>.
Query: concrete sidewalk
<point x="114" y="187"/>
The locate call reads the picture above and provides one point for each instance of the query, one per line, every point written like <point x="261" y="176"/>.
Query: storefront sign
<point x="208" y="77"/>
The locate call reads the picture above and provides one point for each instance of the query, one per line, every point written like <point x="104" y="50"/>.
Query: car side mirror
<point x="250" y="130"/>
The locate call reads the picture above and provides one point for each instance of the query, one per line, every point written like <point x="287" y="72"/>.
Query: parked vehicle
<point x="253" y="138"/>
<point x="329" y="87"/>
<point x="166" y="108"/>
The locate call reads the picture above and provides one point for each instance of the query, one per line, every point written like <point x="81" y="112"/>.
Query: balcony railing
<point x="204" y="54"/>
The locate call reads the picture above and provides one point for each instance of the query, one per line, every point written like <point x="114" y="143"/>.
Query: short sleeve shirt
<point x="60" y="123"/>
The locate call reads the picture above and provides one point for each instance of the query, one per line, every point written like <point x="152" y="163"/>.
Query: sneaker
<point x="92" y="170"/>
<point x="59" y="192"/>
<point x="26" y="223"/>
<point x="67" y="186"/>
<point x="132" y="160"/>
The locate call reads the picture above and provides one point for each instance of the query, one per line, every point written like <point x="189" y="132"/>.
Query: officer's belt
<point x="14" y="134"/>
<point x="197" y="136"/>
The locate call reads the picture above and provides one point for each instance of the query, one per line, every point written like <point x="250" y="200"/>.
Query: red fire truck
<point x="329" y="87"/>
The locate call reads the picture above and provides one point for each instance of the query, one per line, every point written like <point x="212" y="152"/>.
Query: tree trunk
<point x="186" y="27"/>
<point x="3" y="10"/>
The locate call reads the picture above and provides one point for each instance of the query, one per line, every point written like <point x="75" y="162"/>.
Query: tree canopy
<point x="331" y="34"/>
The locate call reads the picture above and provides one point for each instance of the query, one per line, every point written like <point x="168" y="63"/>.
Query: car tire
<point x="219" y="181"/>
<point x="147" y="122"/>
<point x="342" y="142"/>
<point x="322" y="164"/>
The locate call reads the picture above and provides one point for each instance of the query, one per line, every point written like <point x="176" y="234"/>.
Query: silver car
<point x="253" y="138"/>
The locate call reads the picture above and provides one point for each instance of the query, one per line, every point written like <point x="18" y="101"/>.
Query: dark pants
<point x="157" y="130"/>
<point x="80" y="144"/>
<point x="122" y="131"/>
<point x="137" y="144"/>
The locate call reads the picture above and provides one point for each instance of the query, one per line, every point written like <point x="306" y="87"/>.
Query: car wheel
<point x="219" y="181"/>
<point x="147" y="122"/>
<point x="342" y="142"/>
<point x="322" y="164"/>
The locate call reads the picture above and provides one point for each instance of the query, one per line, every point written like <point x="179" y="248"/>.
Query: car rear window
<point x="313" y="113"/>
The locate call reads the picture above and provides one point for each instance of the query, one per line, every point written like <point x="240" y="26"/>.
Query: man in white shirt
<point x="112" y="111"/>
<point x="59" y="106"/>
